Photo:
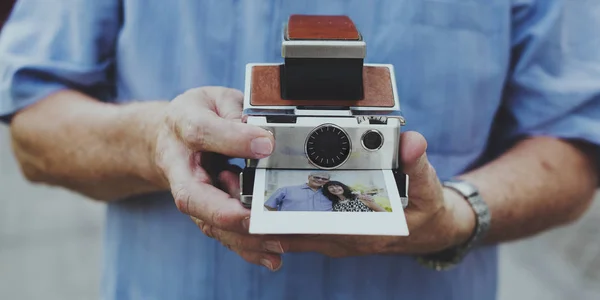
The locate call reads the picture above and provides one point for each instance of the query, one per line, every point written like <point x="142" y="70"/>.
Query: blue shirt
<point x="472" y="77"/>
<point x="299" y="198"/>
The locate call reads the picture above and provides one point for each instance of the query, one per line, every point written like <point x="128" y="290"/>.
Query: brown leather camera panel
<point x="266" y="89"/>
<point x="317" y="27"/>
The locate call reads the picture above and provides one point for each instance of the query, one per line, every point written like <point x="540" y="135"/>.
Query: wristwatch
<point x="448" y="258"/>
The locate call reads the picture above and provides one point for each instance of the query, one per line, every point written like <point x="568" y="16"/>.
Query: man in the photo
<point x="304" y="197"/>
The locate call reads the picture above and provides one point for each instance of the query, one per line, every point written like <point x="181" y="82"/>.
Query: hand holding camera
<point x="195" y="127"/>
<point x="437" y="218"/>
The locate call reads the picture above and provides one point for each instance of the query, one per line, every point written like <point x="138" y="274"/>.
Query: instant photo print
<point x="336" y="120"/>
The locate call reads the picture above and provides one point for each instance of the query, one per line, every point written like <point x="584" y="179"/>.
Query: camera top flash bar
<point x="323" y="69"/>
<point x="324" y="58"/>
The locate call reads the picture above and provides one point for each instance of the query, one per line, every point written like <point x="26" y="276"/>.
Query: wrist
<point x="462" y="216"/>
<point x="470" y="221"/>
<point x="148" y="119"/>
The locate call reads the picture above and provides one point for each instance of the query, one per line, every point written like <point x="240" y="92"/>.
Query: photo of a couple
<point x="337" y="191"/>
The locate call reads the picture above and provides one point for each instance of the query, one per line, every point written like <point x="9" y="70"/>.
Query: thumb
<point x="207" y="119"/>
<point x="424" y="186"/>
<point x="229" y="137"/>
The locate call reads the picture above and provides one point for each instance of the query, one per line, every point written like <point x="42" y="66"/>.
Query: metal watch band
<point x="449" y="258"/>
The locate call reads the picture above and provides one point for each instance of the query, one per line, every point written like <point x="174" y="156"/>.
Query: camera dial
<point x="327" y="146"/>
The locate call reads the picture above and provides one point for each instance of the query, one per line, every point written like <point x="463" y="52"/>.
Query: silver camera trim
<point x="322" y="48"/>
<point x="319" y="127"/>
<point x="289" y="154"/>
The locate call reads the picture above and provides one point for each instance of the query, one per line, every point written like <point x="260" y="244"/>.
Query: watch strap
<point x="450" y="257"/>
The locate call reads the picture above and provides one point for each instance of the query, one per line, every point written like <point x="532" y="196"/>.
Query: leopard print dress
<point x="354" y="205"/>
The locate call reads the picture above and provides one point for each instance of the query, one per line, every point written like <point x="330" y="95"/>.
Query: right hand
<point x="366" y="198"/>
<point x="196" y="125"/>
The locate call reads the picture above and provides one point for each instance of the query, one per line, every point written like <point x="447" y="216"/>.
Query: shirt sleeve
<point x="46" y="46"/>
<point x="553" y="88"/>
<point x="275" y="200"/>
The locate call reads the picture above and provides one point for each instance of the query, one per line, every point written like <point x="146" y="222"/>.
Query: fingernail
<point x="261" y="146"/>
<point x="267" y="263"/>
<point x="273" y="246"/>
<point x="246" y="223"/>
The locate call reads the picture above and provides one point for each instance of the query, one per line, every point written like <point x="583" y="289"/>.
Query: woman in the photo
<point x="343" y="199"/>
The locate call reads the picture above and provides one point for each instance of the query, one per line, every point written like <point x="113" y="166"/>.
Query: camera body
<point x="325" y="107"/>
<point x="344" y="143"/>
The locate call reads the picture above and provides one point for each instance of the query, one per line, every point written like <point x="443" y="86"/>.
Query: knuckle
<point x="218" y="218"/>
<point x="248" y="257"/>
<point x="238" y="243"/>
<point x="232" y="93"/>
<point x="173" y="114"/>
<point x="207" y="230"/>
<point x="194" y="133"/>
<point x="221" y="235"/>
<point x="160" y="153"/>
<point x="217" y="234"/>
<point x="177" y="118"/>
<point x="182" y="199"/>
<point x="202" y="93"/>
<point x="197" y="221"/>
<point x="195" y="92"/>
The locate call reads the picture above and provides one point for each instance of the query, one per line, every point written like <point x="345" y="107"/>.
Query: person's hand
<point x="366" y="198"/>
<point x="437" y="218"/>
<point x="196" y="126"/>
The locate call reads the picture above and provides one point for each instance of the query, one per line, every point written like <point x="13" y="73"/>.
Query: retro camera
<point x="325" y="107"/>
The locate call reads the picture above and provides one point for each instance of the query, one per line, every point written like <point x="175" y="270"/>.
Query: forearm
<point x="103" y="151"/>
<point x="539" y="184"/>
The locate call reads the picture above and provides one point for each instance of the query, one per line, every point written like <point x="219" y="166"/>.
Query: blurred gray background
<point x="50" y="247"/>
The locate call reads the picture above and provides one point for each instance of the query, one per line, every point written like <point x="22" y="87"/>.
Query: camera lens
<point x="372" y="140"/>
<point x="328" y="146"/>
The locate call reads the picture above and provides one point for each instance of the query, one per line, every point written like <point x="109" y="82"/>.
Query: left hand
<point x="437" y="219"/>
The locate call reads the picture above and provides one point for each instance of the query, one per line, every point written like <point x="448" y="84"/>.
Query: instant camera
<point x="325" y="107"/>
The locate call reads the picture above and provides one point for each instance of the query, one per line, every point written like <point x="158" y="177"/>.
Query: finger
<point x="178" y="163"/>
<point x="305" y="243"/>
<point x="424" y="183"/>
<point x="230" y="181"/>
<point x="211" y="133"/>
<point x="229" y="103"/>
<point x="202" y="127"/>
<point x="195" y="196"/>
<point x="212" y="205"/>
<point x="213" y="164"/>
<point x="413" y="148"/>
<point x="273" y="262"/>
<point x="226" y="102"/>
<point x="253" y="249"/>
<point x="245" y="242"/>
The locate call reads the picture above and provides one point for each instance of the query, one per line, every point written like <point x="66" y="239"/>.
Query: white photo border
<point x="306" y="222"/>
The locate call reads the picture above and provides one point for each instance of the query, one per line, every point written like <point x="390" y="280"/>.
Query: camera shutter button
<point x="372" y="140"/>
